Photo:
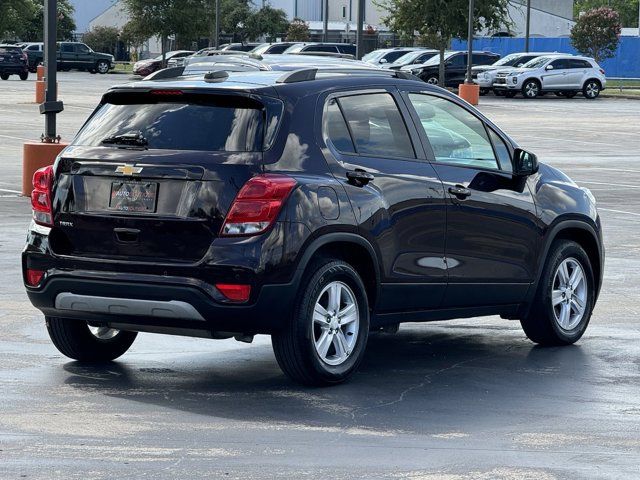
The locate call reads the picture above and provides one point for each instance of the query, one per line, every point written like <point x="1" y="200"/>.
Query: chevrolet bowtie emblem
<point x="128" y="170"/>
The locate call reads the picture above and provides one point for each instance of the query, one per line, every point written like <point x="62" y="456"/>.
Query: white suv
<point x="565" y="75"/>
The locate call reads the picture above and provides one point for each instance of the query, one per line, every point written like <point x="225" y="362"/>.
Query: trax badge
<point x="128" y="169"/>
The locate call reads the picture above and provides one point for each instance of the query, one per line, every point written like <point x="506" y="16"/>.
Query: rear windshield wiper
<point x="134" y="139"/>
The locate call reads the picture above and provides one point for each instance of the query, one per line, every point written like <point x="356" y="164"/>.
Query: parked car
<point x="147" y="67"/>
<point x="13" y="61"/>
<point x="417" y="57"/>
<point x="218" y="209"/>
<point x="73" y="55"/>
<point x="35" y="53"/>
<point x="386" y="56"/>
<point x="566" y="75"/>
<point x="239" y="47"/>
<point x="271" y="48"/>
<point x="485" y="75"/>
<point x="455" y="67"/>
<point x="309" y="47"/>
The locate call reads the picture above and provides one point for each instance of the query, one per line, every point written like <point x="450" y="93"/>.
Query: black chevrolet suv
<point x="312" y="205"/>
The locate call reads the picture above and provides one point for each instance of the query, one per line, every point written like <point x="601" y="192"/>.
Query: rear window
<point x="12" y="50"/>
<point x="226" y="125"/>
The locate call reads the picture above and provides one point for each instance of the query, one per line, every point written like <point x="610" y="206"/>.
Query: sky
<point x="86" y="10"/>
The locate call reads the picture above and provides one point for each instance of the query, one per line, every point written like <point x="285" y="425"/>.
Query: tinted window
<point x="424" y="57"/>
<point x="522" y="60"/>
<point x="482" y="59"/>
<point x="456" y="136"/>
<point x="502" y="151"/>
<point x="321" y="48"/>
<point x="458" y="61"/>
<point x="33" y="48"/>
<point x="83" y="49"/>
<point x="336" y="128"/>
<point x="179" y="126"/>
<point x="68" y="48"/>
<point x="377" y="125"/>
<point x="10" y="50"/>
<point x="560" y="64"/>
<point x="579" y="64"/>
<point x="392" y="56"/>
<point x="348" y="49"/>
<point x="277" y="48"/>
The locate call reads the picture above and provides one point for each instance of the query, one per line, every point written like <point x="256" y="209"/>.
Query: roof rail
<point x="308" y="74"/>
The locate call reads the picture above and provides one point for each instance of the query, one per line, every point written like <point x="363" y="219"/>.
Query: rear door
<point x="162" y="199"/>
<point x="401" y="210"/>
<point x="68" y="57"/>
<point x="492" y="239"/>
<point x="456" y="69"/>
<point x="576" y="75"/>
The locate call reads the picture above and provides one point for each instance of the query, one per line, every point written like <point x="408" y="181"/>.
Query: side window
<point x="83" y="49"/>
<point x="424" y="58"/>
<point x="502" y="151"/>
<point x="480" y="59"/>
<point x="560" y="64"/>
<point x="322" y="48"/>
<point x="455" y="135"/>
<point x="33" y="48"/>
<point x="336" y="128"/>
<point x="580" y="64"/>
<point x="377" y="126"/>
<point x="458" y="61"/>
<point x="68" y="48"/>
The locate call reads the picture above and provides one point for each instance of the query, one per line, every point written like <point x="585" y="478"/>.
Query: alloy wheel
<point x="531" y="90"/>
<point x="336" y="321"/>
<point x="569" y="294"/>
<point x="592" y="90"/>
<point x="103" y="67"/>
<point x="432" y="80"/>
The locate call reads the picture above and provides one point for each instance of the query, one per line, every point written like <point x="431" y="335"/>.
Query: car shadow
<point x="434" y="377"/>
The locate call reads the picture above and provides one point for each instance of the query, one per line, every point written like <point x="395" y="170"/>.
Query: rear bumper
<point x="14" y="69"/>
<point x="158" y="304"/>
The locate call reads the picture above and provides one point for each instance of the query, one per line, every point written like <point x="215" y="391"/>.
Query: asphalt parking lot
<point x="468" y="399"/>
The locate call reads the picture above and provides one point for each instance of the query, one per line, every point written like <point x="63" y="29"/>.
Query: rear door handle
<point x="359" y="177"/>
<point x="460" y="192"/>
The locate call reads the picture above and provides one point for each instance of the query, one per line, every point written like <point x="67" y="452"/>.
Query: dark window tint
<point x="349" y="49"/>
<point x="424" y="57"/>
<point x="179" y="126"/>
<point x="576" y="63"/>
<point x="377" y="125"/>
<point x="33" y="48"/>
<point x="83" y="49"/>
<point x="560" y="64"/>
<point x="336" y="128"/>
<point x="518" y="62"/>
<point x="457" y="61"/>
<point x="320" y="48"/>
<point x="277" y="48"/>
<point x="482" y="59"/>
<point x="68" y="48"/>
<point x="392" y="56"/>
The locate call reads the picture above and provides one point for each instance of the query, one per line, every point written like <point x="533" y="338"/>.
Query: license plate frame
<point x="133" y="196"/>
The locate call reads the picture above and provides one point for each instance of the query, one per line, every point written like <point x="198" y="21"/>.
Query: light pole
<point x="51" y="107"/>
<point x="469" y="80"/>
<point x="528" y="27"/>
<point x="360" y="21"/>
<point x="325" y="26"/>
<point x="217" y="39"/>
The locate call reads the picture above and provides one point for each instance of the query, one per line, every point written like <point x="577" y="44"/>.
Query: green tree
<point x="440" y="21"/>
<point x="14" y="17"/>
<point x="134" y="35"/>
<point x="627" y="9"/>
<point x="24" y="19"/>
<point x="298" y="31"/>
<point x="267" y="21"/>
<point x="163" y="18"/>
<point x="597" y="33"/>
<point x="102" y="39"/>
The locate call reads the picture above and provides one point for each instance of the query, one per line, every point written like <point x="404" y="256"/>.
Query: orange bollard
<point x="40" y="72"/>
<point x="36" y="155"/>
<point x="41" y="86"/>
<point x="470" y="93"/>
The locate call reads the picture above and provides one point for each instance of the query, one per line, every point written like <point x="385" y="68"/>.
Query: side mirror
<point x="549" y="67"/>
<point x="524" y="163"/>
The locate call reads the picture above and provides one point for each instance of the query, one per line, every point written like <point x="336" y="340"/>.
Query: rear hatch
<point x="11" y="56"/>
<point x="151" y="175"/>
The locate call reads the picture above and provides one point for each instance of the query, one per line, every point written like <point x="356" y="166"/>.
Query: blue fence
<point x="625" y="64"/>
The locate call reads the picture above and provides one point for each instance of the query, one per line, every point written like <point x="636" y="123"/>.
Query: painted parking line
<point x="635" y="214"/>
<point x="6" y="190"/>
<point x="593" y="182"/>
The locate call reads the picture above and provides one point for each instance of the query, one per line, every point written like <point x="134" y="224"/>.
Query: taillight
<point x="33" y="277"/>
<point x="41" y="196"/>
<point x="257" y="205"/>
<point x="234" y="292"/>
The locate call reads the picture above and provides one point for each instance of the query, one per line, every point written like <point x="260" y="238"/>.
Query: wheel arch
<point x="351" y="248"/>
<point x="592" y="79"/>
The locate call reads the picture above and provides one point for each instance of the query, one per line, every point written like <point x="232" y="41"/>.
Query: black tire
<point x="102" y="67"/>
<point x="499" y="93"/>
<point x="433" y="80"/>
<point x="530" y="89"/>
<point x="569" y="94"/>
<point x="4" y="76"/>
<point x="294" y="346"/>
<point x="540" y="325"/>
<point x="510" y="94"/>
<point x="74" y="339"/>
<point x="591" y="89"/>
<point x="24" y="76"/>
<point x="92" y="71"/>
<point x="484" y="91"/>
